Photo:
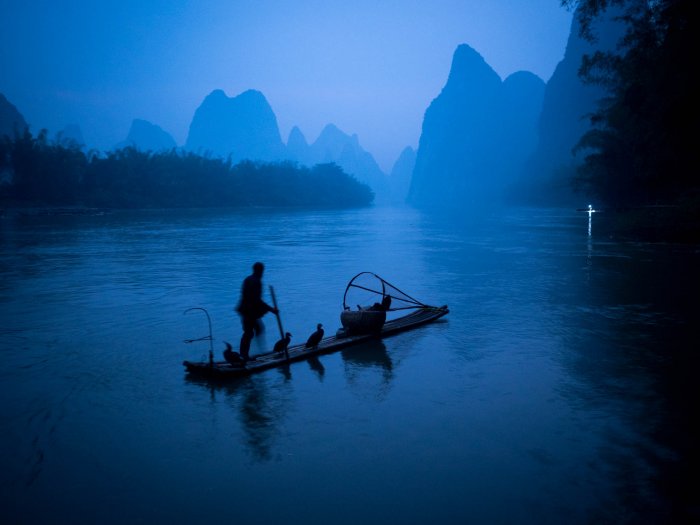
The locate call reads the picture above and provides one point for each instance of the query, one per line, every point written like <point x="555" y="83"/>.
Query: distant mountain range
<point x="245" y="127"/>
<point x="400" y="176"/>
<point x="146" y="136"/>
<point x="11" y="120"/>
<point x="242" y="127"/>
<point x="476" y="134"/>
<point x="482" y="139"/>
<point x="333" y="145"/>
<point x="546" y="176"/>
<point x="71" y="135"/>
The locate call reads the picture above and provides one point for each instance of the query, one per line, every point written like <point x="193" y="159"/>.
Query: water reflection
<point x="259" y="418"/>
<point x="631" y="353"/>
<point x="592" y="375"/>
<point x="316" y="365"/>
<point x="261" y="402"/>
<point x="359" y="360"/>
<point x="286" y="372"/>
<point x="260" y="409"/>
<point x="589" y="258"/>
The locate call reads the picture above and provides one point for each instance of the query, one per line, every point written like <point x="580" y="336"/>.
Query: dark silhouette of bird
<point x="233" y="358"/>
<point x="386" y="302"/>
<point x="316" y="337"/>
<point x="282" y="344"/>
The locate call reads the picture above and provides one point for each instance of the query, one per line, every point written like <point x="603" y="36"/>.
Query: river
<point x="559" y="389"/>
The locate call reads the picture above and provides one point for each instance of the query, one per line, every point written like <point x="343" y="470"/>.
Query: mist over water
<point x="550" y="392"/>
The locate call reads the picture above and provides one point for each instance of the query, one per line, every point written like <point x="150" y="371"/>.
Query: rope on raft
<point x="405" y="298"/>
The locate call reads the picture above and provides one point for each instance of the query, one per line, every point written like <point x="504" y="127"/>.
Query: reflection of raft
<point x="223" y="370"/>
<point x="359" y="325"/>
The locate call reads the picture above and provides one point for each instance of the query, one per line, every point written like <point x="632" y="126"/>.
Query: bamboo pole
<point x="279" y="320"/>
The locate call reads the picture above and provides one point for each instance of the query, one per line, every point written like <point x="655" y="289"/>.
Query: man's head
<point x="258" y="269"/>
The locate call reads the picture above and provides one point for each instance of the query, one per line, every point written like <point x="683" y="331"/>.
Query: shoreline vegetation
<point x="36" y="173"/>
<point x="639" y="153"/>
<point x="43" y="178"/>
<point x="677" y="223"/>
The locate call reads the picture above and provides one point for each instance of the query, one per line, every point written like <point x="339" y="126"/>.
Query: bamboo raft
<point x="224" y="370"/>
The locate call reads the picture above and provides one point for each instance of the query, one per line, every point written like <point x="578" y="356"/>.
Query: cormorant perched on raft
<point x="232" y="358"/>
<point x="282" y="344"/>
<point x="316" y="337"/>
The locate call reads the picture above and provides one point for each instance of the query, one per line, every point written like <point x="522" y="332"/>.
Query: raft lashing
<point x="374" y="301"/>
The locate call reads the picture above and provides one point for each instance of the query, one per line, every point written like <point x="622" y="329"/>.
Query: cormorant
<point x="233" y="358"/>
<point x="316" y="337"/>
<point x="386" y="302"/>
<point x="282" y="344"/>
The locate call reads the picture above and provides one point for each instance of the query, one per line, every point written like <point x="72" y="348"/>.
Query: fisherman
<point x="251" y="308"/>
<point x="379" y="307"/>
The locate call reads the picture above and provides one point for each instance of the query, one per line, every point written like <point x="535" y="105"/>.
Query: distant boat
<point x="361" y="325"/>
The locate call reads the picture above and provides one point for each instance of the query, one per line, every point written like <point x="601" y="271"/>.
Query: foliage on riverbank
<point x="676" y="223"/>
<point x="35" y="171"/>
<point x="640" y="153"/>
<point x="641" y="149"/>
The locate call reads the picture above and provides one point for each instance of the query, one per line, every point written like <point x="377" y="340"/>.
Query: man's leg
<point x="247" y="337"/>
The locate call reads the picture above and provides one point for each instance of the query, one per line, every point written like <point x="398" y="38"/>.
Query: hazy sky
<point x="370" y="67"/>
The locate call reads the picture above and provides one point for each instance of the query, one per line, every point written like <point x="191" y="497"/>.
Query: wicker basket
<point x="362" y="321"/>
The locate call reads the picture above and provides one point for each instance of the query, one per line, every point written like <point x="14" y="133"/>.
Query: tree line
<point x="640" y="148"/>
<point x="37" y="171"/>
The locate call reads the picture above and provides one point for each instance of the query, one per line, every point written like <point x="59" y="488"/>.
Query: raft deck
<point x="222" y="369"/>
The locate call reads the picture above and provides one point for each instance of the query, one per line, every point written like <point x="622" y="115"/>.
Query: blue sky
<point x="370" y="67"/>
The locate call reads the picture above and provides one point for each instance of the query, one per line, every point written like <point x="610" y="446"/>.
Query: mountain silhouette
<point x="400" y="176"/>
<point x="568" y="102"/>
<point x="521" y="106"/>
<point x="298" y="147"/>
<point x="336" y="146"/>
<point x="11" y="120"/>
<point x="476" y="134"/>
<point x="241" y="127"/>
<point x="146" y="136"/>
<point x="71" y="135"/>
<point x="331" y="144"/>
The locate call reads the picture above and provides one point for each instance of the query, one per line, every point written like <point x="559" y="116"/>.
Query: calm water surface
<point x="557" y="390"/>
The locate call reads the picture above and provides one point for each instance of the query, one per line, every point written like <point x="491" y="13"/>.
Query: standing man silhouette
<point x="251" y="308"/>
